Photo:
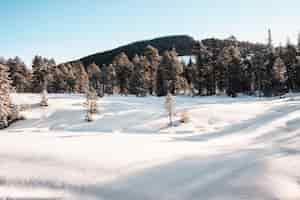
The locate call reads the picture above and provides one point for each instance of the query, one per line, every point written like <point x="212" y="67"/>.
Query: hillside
<point x="183" y="45"/>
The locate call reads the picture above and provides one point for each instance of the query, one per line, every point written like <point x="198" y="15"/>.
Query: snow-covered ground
<point x="243" y="148"/>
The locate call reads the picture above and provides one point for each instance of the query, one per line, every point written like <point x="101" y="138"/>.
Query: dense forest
<point x="220" y="67"/>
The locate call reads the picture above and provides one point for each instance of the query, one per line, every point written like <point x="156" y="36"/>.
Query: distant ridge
<point x="182" y="43"/>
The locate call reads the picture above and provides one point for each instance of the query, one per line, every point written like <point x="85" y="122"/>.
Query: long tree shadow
<point x="247" y="126"/>
<point x="221" y="176"/>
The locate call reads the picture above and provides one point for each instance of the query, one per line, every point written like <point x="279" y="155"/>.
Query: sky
<point x="71" y="29"/>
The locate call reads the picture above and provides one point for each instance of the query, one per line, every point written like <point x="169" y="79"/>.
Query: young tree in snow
<point x="5" y="103"/>
<point x="44" y="101"/>
<point x="170" y="107"/>
<point x="91" y="103"/>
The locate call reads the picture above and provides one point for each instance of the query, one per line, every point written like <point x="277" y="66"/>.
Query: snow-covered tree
<point x="5" y="103"/>
<point x="170" y="107"/>
<point x="44" y="98"/>
<point x="137" y="80"/>
<point x="91" y="103"/>
<point x="109" y="78"/>
<point x="151" y="66"/>
<point x="124" y="69"/>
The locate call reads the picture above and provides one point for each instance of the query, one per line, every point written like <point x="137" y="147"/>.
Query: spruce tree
<point x="279" y="77"/>
<point x="19" y="74"/>
<point x="137" y="81"/>
<point x="95" y="76"/>
<point x="38" y="75"/>
<point x="5" y="102"/>
<point x="164" y="74"/>
<point x="154" y="59"/>
<point x="109" y="78"/>
<point x="124" y="70"/>
<point x="82" y="79"/>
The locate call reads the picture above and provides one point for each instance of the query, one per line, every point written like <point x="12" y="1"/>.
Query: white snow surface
<point x="242" y="148"/>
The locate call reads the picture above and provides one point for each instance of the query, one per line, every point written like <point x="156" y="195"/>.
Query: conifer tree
<point x="38" y="74"/>
<point x="124" y="70"/>
<point x="82" y="79"/>
<point x="279" y="77"/>
<point x="5" y="102"/>
<point x="164" y="74"/>
<point x="109" y="78"/>
<point x="153" y="58"/>
<point x="95" y="78"/>
<point x="231" y="60"/>
<point x="289" y="59"/>
<point x="137" y="81"/>
<point x="19" y="74"/>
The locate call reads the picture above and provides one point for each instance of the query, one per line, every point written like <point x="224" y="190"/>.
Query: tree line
<point x="233" y="69"/>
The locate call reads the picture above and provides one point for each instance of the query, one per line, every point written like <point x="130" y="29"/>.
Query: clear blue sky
<point x="68" y="29"/>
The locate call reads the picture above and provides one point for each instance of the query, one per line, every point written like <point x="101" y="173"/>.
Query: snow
<point x="243" y="148"/>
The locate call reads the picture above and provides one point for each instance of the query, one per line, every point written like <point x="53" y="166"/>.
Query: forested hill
<point x="182" y="43"/>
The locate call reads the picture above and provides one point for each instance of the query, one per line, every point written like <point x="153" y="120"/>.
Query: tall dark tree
<point x="124" y="69"/>
<point x="289" y="59"/>
<point x="153" y="58"/>
<point x="95" y="78"/>
<point x="19" y="74"/>
<point x="137" y="81"/>
<point x="39" y="74"/>
<point x="231" y="61"/>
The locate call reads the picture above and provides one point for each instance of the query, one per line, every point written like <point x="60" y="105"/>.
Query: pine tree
<point x="279" y="77"/>
<point x="109" y="78"/>
<point x="95" y="77"/>
<point x="38" y="75"/>
<point x="176" y="73"/>
<point x="231" y="61"/>
<point x="5" y="102"/>
<point x="289" y="59"/>
<point x="204" y="79"/>
<point x="164" y="74"/>
<point x="154" y="59"/>
<point x="270" y="41"/>
<point x="189" y="75"/>
<point x="124" y="70"/>
<point x="19" y="74"/>
<point x="82" y="79"/>
<point x="137" y="81"/>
